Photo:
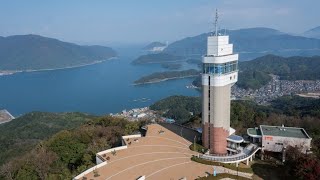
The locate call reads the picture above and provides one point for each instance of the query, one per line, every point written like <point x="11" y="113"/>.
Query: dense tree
<point x="69" y="152"/>
<point x="302" y="166"/>
<point x="178" y="107"/>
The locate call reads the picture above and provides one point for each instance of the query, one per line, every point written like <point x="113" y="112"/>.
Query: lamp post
<point x="237" y="172"/>
<point x="194" y="143"/>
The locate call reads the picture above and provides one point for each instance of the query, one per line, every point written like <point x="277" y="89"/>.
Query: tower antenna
<point x="216" y="23"/>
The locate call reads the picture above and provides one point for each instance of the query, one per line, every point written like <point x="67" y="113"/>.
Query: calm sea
<point x="97" y="89"/>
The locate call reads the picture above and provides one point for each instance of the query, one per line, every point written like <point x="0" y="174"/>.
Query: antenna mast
<point x="216" y="23"/>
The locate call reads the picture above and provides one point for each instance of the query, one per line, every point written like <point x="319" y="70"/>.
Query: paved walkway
<point x="220" y="169"/>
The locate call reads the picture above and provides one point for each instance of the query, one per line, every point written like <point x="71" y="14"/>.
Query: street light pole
<point x="237" y="172"/>
<point x="194" y="143"/>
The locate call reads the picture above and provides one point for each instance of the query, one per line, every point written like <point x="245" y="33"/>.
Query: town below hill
<point x="269" y="77"/>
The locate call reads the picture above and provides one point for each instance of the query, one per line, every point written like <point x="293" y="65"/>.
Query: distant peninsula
<point x="157" y="58"/>
<point x="33" y="53"/>
<point x="164" y="76"/>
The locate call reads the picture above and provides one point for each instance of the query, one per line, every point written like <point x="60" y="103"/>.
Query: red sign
<point x="268" y="138"/>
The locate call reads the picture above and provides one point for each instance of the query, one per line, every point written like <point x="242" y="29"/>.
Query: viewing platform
<point x="160" y="154"/>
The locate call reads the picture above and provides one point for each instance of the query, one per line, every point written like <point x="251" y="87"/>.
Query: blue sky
<point x="139" y="21"/>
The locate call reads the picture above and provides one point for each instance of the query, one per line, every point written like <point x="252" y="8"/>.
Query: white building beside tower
<point x="220" y="73"/>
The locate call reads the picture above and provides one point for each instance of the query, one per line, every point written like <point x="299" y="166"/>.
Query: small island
<point x="171" y="66"/>
<point x="164" y="76"/>
<point x="157" y="58"/>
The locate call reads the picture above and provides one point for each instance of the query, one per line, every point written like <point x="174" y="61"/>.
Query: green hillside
<point x="69" y="152"/>
<point x="291" y="68"/>
<point x="22" y="134"/>
<point x="178" y="107"/>
<point x="33" y="52"/>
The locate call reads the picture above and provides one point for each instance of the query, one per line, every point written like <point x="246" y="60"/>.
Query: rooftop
<point x="293" y="132"/>
<point x="235" y="138"/>
<point x="255" y="132"/>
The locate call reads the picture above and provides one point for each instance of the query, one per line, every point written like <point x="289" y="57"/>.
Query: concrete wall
<point x="220" y="106"/>
<point x="271" y="143"/>
<point x="219" y="46"/>
<point x="129" y="137"/>
<point x="89" y="171"/>
<point x="216" y="129"/>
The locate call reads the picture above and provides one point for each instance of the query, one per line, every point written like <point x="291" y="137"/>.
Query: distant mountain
<point x="157" y="58"/>
<point x="33" y="52"/>
<point x="153" y="45"/>
<point x="313" y="33"/>
<point x="250" y="43"/>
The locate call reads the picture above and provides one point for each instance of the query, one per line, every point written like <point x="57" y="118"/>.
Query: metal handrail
<point x="226" y="159"/>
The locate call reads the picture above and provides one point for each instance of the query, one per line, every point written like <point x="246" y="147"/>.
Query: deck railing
<point x="227" y="158"/>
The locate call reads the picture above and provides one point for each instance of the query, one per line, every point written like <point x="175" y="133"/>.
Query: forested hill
<point x="22" y="134"/>
<point x="251" y="43"/>
<point x="33" y="52"/>
<point x="291" y="68"/>
<point x="68" y="152"/>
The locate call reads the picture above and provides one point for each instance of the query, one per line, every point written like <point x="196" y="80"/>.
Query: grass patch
<point x="198" y="148"/>
<point x="222" y="176"/>
<point x="229" y="166"/>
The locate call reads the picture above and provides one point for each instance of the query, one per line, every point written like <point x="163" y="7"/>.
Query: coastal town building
<point x="278" y="138"/>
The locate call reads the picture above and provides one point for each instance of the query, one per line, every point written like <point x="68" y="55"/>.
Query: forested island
<point x="167" y="75"/>
<point x="33" y="52"/>
<point x="157" y="58"/>
<point x="171" y="66"/>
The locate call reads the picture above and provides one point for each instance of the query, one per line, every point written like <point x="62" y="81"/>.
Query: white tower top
<point x="220" y="63"/>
